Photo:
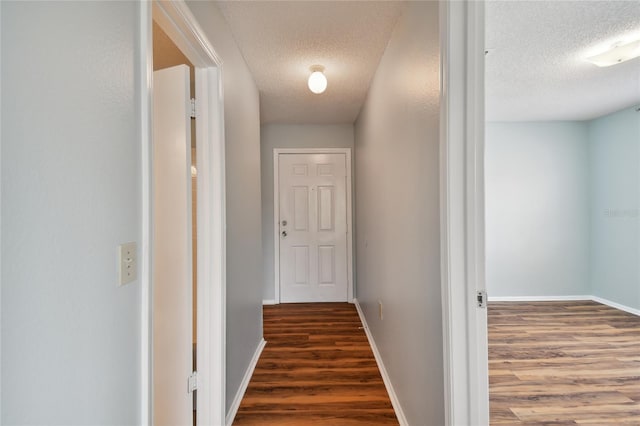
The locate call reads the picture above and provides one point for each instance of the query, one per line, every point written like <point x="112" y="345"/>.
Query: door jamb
<point x="276" y="213"/>
<point x="181" y="26"/>
<point x="462" y="212"/>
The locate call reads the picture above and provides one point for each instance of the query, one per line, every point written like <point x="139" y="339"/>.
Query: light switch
<point x="127" y="263"/>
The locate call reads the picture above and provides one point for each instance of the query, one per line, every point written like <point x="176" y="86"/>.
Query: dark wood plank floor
<point x="563" y="363"/>
<point x="317" y="368"/>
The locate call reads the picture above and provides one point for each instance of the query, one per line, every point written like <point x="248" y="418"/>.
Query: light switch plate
<point x="127" y="263"/>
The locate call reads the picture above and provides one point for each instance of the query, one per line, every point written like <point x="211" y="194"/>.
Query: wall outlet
<point x="380" y="309"/>
<point x="127" y="263"/>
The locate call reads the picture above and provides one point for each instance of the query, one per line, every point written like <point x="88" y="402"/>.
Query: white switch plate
<point x="127" y="263"/>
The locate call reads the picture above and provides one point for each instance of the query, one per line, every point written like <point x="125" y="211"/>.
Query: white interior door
<point x="172" y="270"/>
<point x="313" y="227"/>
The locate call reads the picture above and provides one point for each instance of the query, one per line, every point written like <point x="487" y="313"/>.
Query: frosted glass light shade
<point x="317" y="82"/>
<point x="616" y="54"/>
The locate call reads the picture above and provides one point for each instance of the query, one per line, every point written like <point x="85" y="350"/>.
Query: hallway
<point x="317" y="367"/>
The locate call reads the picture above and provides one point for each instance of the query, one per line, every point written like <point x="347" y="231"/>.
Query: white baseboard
<point x="269" y="302"/>
<point x="233" y="410"/>
<point x="383" y="371"/>
<point x="564" y="299"/>
<point x="616" y="305"/>
<point x="537" y="298"/>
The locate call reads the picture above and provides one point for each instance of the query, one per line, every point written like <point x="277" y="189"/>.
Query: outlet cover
<point x="127" y="263"/>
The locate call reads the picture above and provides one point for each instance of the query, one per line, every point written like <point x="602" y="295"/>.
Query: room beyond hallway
<point x="317" y="367"/>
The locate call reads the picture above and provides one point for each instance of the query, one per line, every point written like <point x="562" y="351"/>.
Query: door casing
<point x="465" y="346"/>
<point x="276" y="213"/>
<point x="177" y="21"/>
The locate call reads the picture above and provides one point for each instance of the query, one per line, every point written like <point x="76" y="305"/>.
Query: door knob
<point x="284" y="233"/>
<point x="284" y="223"/>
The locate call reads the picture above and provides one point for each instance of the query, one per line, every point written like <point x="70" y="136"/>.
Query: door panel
<point x="301" y="208"/>
<point x="313" y="227"/>
<point x="326" y="209"/>
<point x="326" y="265"/>
<point x="172" y="261"/>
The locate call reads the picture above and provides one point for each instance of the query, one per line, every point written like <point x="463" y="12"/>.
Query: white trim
<point x="465" y="349"/>
<point x="616" y="305"/>
<point x="597" y="299"/>
<point x="383" y="371"/>
<point x="269" y="302"/>
<point x="276" y="213"/>
<point x="477" y="318"/>
<point x="0" y="219"/>
<point x="176" y="19"/>
<point x="539" y="298"/>
<point x="1" y="223"/>
<point x="233" y="409"/>
<point x="211" y="264"/>
<point x="276" y="229"/>
<point x="145" y="78"/>
<point x="452" y="238"/>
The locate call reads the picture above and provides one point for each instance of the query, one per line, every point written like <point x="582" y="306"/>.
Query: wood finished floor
<point x="563" y="363"/>
<point x="317" y="368"/>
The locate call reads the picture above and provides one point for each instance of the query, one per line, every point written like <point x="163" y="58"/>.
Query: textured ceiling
<point x="535" y="68"/>
<point x="534" y="71"/>
<point x="280" y="40"/>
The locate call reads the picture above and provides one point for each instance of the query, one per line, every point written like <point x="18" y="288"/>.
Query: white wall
<point x="397" y="211"/>
<point x="290" y="136"/>
<point x="537" y="201"/>
<point x="614" y="150"/>
<point x="70" y="194"/>
<point x="243" y="210"/>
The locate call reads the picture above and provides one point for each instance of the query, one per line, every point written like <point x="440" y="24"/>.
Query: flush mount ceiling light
<point x="317" y="80"/>
<point x="617" y="54"/>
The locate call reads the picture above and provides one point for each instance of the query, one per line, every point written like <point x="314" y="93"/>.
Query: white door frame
<point x="175" y="18"/>
<point x="276" y="213"/>
<point x="462" y="211"/>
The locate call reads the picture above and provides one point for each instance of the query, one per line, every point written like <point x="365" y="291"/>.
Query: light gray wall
<point x="537" y="202"/>
<point x="244" y="233"/>
<point x="290" y="136"/>
<point x="398" y="223"/>
<point x="70" y="195"/>
<point x="614" y="148"/>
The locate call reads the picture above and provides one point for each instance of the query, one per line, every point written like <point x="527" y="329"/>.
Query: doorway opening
<point x="175" y="257"/>
<point x="165" y="55"/>
<point x="562" y="243"/>
<point x="200" y="248"/>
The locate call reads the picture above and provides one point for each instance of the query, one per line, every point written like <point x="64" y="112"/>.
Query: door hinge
<point x="193" y="382"/>
<point x="481" y="298"/>
<point x="193" y="108"/>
